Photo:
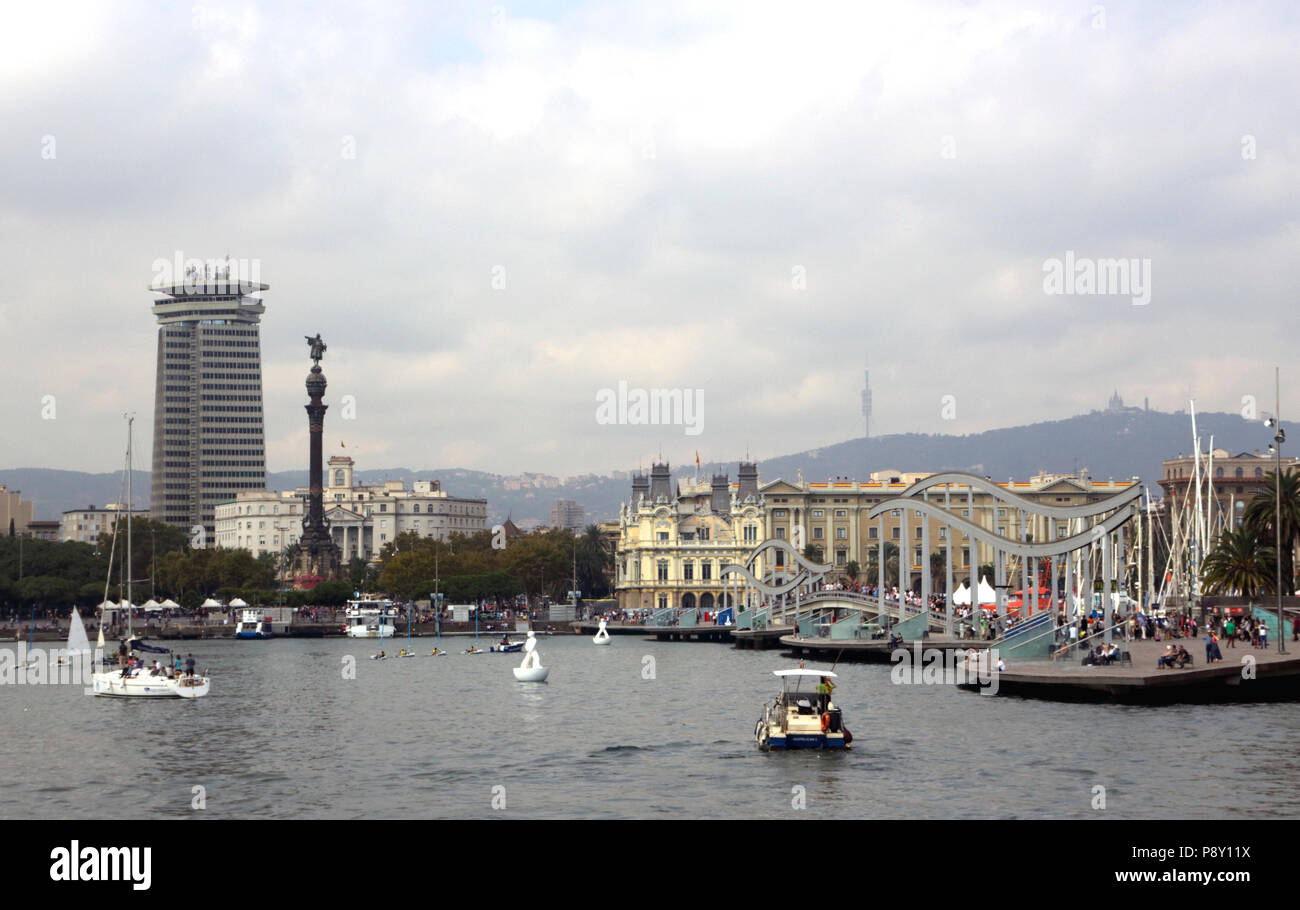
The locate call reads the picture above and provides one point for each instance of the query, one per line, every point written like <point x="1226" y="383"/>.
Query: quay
<point x="1245" y="674"/>
<point x="870" y="650"/>
<point x="703" y="632"/>
<point x="760" y="639"/>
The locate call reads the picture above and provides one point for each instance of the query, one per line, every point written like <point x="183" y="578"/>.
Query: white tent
<point x="961" y="597"/>
<point x="170" y="604"/>
<point x="152" y="606"/>
<point x="108" y="605"/>
<point x="238" y="602"/>
<point x="211" y="603"/>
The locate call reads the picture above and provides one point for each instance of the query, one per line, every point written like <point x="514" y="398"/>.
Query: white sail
<point x="78" y="643"/>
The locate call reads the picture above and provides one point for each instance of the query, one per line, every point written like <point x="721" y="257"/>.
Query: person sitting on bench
<point x="1166" y="659"/>
<point x="1182" y="659"/>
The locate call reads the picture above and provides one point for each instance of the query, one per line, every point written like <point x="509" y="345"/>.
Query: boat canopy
<point x="139" y="644"/>
<point x="802" y="672"/>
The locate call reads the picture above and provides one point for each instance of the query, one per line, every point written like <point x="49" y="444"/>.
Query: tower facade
<point x="208" y="435"/>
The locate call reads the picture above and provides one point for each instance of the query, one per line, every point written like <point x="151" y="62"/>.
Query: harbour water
<point x="285" y="734"/>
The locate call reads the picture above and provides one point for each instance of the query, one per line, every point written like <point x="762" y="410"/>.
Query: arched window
<point x="338" y="477"/>
<point x="1259" y="472"/>
<point x="1218" y="472"/>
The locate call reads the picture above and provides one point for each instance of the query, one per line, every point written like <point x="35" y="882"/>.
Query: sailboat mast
<point x="130" y="609"/>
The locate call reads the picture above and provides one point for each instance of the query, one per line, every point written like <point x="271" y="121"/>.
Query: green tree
<point x="1240" y="563"/>
<point x="1261" y="518"/>
<point x="356" y="571"/>
<point x="853" y="570"/>
<point x="595" y="562"/>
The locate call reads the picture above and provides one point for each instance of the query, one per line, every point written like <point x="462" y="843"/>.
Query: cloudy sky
<point x="492" y="211"/>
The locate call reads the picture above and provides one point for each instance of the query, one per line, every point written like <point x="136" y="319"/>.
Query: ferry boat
<point x="371" y="618"/>
<point x="801" y="717"/>
<point x="252" y="625"/>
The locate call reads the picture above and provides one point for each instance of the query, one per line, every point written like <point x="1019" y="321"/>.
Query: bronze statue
<point x="317" y="347"/>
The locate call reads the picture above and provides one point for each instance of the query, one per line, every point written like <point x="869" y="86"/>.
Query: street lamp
<point x="1276" y="450"/>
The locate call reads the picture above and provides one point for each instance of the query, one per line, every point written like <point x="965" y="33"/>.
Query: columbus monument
<point x="318" y="557"/>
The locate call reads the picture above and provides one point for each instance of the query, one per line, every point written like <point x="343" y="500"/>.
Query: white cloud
<point x="645" y="179"/>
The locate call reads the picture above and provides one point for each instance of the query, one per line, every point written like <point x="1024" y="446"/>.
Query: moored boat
<point x="252" y="625"/>
<point x="371" y="618"/>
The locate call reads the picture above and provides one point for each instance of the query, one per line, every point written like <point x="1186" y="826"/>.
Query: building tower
<point x="319" y="558"/>
<point x="208" y="441"/>
<point x="866" y="400"/>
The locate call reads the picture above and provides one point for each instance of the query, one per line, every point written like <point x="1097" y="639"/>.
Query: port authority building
<point x="362" y="517"/>
<point x="675" y="538"/>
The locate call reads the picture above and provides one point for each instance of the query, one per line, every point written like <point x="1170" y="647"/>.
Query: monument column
<point x="318" y="556"/>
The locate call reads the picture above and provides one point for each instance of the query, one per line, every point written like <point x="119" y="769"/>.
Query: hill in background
<point x="1121" y="443"/>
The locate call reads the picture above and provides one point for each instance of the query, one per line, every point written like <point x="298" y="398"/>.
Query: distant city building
<point x="1116" y="403"/>
<point x="208" y="443"/>
<point x="1236" y="480"/>
<point x="362" y="517"/>
<point x="530" y="482"/>
<point x="14" y="508"/>
<point x="567" y="515"/>
<point x="674" y="539"/>
<point x="43" y="530"/>
<point x="85" y="525"/>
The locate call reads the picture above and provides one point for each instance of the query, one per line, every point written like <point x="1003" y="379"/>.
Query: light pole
<point x="1278" y="438"/>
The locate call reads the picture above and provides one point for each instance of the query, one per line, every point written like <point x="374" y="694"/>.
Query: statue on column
<point x="318" y="347"/>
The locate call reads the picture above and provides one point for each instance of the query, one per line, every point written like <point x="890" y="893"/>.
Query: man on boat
<point x="189" y="664"/>
<point x="824" y="690"/>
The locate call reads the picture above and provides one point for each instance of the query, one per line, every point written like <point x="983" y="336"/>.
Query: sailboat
<point x="141" y="682"/>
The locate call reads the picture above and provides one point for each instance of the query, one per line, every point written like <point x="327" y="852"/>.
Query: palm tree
<point x="938" y="570"/>
<point x="853" y="570"/>
<point x="1261" y="515"/>
<point x="891" y="563"/>
<point x="1241" y="562"/>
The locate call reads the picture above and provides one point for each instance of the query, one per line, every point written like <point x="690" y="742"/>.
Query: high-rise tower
<point x="208" y="439"/>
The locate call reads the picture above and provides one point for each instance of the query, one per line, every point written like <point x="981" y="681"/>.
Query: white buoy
<point x="602" y="635"/>
<point x="531" y="670"/>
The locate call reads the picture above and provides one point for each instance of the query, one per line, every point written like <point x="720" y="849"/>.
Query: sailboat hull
<point x="114" y="685"/>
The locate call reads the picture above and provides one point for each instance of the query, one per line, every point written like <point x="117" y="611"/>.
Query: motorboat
<point x="803" y="716"/>
<point x="252" y="625"/>
<point x="371" y="618"/>
<point x="507" y="647"/>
